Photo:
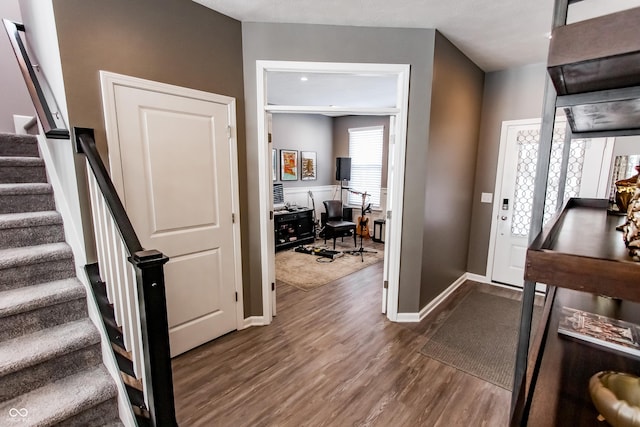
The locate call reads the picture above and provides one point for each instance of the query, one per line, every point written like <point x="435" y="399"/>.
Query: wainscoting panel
<point x="300" y="196"/>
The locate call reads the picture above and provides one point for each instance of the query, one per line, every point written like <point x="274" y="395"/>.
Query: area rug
<point x="480" y="337"/>
<point x="308" y="272"/>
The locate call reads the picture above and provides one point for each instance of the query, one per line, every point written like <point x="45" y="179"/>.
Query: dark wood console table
<point x="293" y="228"/>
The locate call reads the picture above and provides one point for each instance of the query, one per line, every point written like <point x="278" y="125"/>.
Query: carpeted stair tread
<point x="29" y="298"/>
<point x="100" y="414"/>
<point x="30" y="229"/>
<point x="20" y="189"/>
<point x="29" y="219"/>
<point x="31" y="308"/>
<point x="58" y="401"/>
<point x="17" y="257"/>
<point x="21" y="161"/>
<point x="22" y="170"/>
<point x="31" y="265"/>
<point x="26" y="197"/>
<point x="29" y="350"/>
<point x="18" y="145"/>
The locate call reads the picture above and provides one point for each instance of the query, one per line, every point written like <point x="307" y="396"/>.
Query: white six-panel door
<point x="177" y="164"/>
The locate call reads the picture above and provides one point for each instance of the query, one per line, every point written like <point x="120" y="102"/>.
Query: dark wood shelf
<point x="562" y="366"/>
<point x="612" y="112"/>
<point x="596" y="54"/>
<point x="599" y="60"/>
<point x="582" y="250"/>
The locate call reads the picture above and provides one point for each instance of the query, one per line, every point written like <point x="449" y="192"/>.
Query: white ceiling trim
<point x="295" y="109"/>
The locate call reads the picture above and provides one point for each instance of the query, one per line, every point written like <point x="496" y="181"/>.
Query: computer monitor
<point x="278" y="196"/>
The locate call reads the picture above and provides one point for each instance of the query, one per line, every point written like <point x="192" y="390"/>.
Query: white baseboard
<point x="479" y="278"/>
<point x="253" y="321"/>
<point x="417" y="317"/>
<point x="408" y="317"/>
<point x="485" y="279"/>
<point x="442" y="297"/>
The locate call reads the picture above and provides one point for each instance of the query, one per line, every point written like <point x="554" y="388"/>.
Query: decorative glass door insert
<point x="527" y="141"/>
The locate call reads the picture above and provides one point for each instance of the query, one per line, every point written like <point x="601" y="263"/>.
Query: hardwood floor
<point x="330" y="358"/>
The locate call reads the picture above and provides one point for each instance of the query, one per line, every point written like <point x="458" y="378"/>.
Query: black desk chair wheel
<point x="336" y="226"/>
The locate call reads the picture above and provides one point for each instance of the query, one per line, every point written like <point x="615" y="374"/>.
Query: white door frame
<point x="497" y="201"/>
<point x="395" y="180"/>
<point x="109" y="81"/>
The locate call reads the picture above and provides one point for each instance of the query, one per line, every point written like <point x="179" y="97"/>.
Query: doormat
<point x="480" y="337"/>
<point x="307" y="272"/>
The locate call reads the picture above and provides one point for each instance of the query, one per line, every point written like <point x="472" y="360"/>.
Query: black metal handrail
<point x="39" y="90"/>
<point x="85" y="144"/>
<point x="148" y="264"/>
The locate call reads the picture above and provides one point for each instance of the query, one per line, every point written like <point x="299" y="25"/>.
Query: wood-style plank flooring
<point x="330" y="358"/>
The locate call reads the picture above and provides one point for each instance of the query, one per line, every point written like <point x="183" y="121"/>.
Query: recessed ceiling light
<point x="304" y="79"/>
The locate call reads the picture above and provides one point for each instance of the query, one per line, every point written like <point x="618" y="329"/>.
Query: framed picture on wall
<point x="274" y="164"/>
<point x="308" y="165"/>
<point x="288" y="165"/>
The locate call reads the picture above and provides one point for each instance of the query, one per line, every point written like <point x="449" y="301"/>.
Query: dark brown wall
<point x="170" y="41"/>
<point x="450" y="167"/>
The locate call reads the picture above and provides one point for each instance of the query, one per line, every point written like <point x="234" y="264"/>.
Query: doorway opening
<point x="352" y="72"/>
<point x="310" y="153"/>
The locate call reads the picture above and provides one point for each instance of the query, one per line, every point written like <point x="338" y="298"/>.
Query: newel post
<point x="155" y="336"/>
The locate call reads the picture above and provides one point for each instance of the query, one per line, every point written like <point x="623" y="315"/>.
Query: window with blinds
<point x="365" y="150"/>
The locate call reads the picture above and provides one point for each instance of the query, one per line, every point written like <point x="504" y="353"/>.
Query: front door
<point x="177" y="166"/>
<point x="515" y="200"/>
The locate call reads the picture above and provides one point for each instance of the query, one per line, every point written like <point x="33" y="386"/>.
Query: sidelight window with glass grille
<point x="365" y="150"/>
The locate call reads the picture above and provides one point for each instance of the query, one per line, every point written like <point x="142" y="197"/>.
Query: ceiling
<point x="331" y="90"/>
<point x="495" y="34"/>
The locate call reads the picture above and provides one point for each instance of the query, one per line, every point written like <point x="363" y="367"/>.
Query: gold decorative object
<point x="616" y="396"/>
<point x="631" y="229"/>
<point x="625" y="189"/>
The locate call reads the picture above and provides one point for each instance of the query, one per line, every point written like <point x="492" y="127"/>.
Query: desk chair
<point x="336" y="226"/>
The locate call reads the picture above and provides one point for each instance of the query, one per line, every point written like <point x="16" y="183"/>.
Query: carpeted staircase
<point x="51" y="369"/>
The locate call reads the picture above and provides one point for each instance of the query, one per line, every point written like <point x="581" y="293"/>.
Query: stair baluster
<point x="135" y="287"/>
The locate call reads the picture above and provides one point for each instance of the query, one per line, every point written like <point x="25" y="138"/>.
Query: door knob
<point x="503" y="217"/>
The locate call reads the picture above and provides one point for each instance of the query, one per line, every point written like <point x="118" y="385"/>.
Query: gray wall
<point x="15" y="97"/>
<point x="450" y="168"/>
<point x="511" y="94"/>
<point x="341" y="127"/>
<point x="305" y="132"/>
<point x="299" y="42"/>
<point x="171" y="41"/>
